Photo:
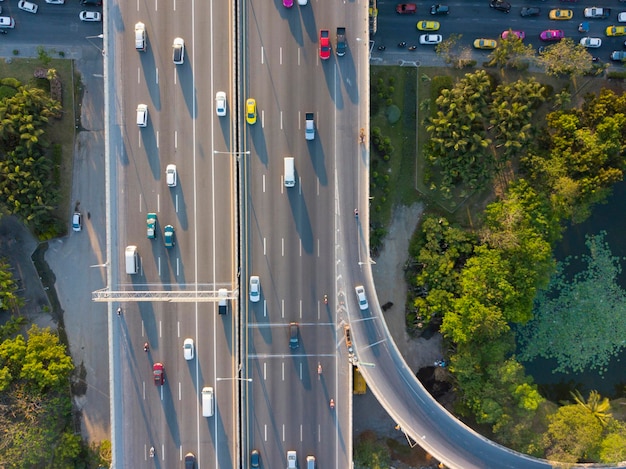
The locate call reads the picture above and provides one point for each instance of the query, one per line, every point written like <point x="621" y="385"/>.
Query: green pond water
<point x="610" y="218"/>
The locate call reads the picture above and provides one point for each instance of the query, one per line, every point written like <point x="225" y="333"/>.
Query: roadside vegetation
<point x="36" y="151"/>
<point x="507" y="163"/>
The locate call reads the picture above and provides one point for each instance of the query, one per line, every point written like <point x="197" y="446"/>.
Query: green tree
<point x="597" y="405"/>
<point x="511" y="51"/>
<point x="566" y="58"/>
<point x="46" y="363"/>
<point x="613" y="446"/>
<point x="573" y="435"/>
<point x="370" y="454"/>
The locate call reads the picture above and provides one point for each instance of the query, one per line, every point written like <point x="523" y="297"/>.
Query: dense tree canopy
<point x="566" y="58"/>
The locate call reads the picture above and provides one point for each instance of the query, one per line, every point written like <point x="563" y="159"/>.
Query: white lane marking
<point x="263" y="181"/>
<point x="300" y="309"/>
<point x="317" y="182"/>
<point x="281" y="120"/>
<point x="176" y="198"/>
<point x="300" y="433"/>
<point x="140" y="203"/>
<point x="318" y="247"/>
<point x="319" y="432"/>
<point x="159" y="262"/>
<point x="280" y="55"/>
<point x="300" y="246"/>
<point x="180" y="391"/>
<point x="143" y="392"/>
<point x="177" y="266"/>
<point x="264" y="371"/>
<point x="262" y="119"/>
<point x="176" y="139"/>
<point x="265" y="432"/>
<point x="157" y="76"/>
<point x="319" y="310"/>
<point x="298" y="56"/>
<point x="161" y="391"/>
<point x="282" y="246"/>
<point x="299" y="120"/>
<point x="157" y="139"/>
<point x="301" y="371"/>
<point x="138" y="75"/>
<point x="175" y="75"/>
<point x="264" y="308"/>
<point x="265" y="246"/>
<point x="282" y="366"/>
<point x="178" y="328"/>
<point x="156" y="5"/>
<point x="160" y="329"/>
<point x="283" y="432"/>
<point x="158" y="202"/>
<point x="282" y="308"/>
<point x="299" y="185"/>
<point x="139" y="139"/>
<point x="262" y="55"/>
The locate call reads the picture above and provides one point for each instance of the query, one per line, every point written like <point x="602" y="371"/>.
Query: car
<point x="92" y="16"/>
<point x="27" y="6"/>
<point x="406" y="8"/>
<point x="190" y="461"/>
<point x="618" y="55"/>
<point x="616" y="30"/>
<point x="158" y="374"/>
<point x="595" y="12"/>
<point x="428" y="25"/>
<point x="251" y="111"/>
<point x="220" y="103"/>
<point x="55" y="2"/>
<point x="324" y="44"/>
<point x="294" y="340"/>
<point x="97" y="3"/>
<point x="168" y="236"/>
<point x="500" y="5"/>
<point x="430" y="39"/>
<point x="530" y="11"/>
<point x="519" y="34"/>
<point x="552" y="35"/>
<point x="188" y="349"/>
<point x="439" y="10"/>
<point x="7" y="22"/>
<point x="591" y="42"/>
<point x="178" y="51"/>
<point x="77" y="221"/>
<point x="302" y="2"/>
<point x="140" y="36"/>
<point x="558" y="14"/>
<point x="142" y="115"/>
<point x="485" y="44"/>
<point x="255" y="289"/>
<point x="310" y="462"/>
<point x="255" y="458"/>
<point x="621" y="17"/>
<point x="287" y="3"/>
<point x="309" y="126"/>
<point x="292" y="460"/>
<point x="171" y="175"/>
<point x="361" y="298"/>
<point x="151" y="220"/>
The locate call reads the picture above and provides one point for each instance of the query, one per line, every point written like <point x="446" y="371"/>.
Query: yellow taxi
<point x="616" y="31"/>
<point x="561" y="14"/>
<point x="428" y="25"/>
<point x="251" y="111"/>
<point x="485" y="44"/>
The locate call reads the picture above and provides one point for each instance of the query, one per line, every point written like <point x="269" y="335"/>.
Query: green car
<point x="168" y="236"/>
<point x="151" y="220"/>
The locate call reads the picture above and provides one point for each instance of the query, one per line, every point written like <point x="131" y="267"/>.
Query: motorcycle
<point x="413" y="48"/>
<point x="325" y="299"/>
<point x="402" y="44"/>
<point x="152" y="451"/>
<point x="319" y="368"/>
<point x="146" y="347"/>
<point x="381" y="48"/>
<point x="332" y="403"/>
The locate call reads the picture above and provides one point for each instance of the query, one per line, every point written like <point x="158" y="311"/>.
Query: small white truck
<point x="309" y="126"/>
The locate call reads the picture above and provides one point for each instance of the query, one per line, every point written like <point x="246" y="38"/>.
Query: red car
<point x="552" y="35"/>
<point x="520" y="34"/>
<point x="406" y="8"/>
<point x="324" y="44"/>
<point x="158" y="372"/>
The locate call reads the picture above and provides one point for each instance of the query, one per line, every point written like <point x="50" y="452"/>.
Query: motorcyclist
<point x="151" y="451"/>
<point x="119" y="311"/>
<point x="402" y="44"/>
<point x="146" y="347"/>
<point x="319" y="368"/>
<point x="332" y="403"/>
<point x="356" y="212"/>
<point x="325" y="299"/>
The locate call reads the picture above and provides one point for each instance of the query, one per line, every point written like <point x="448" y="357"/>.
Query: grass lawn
<point x="59" y="131"/>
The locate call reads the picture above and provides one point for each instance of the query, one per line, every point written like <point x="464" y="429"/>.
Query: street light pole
<point x="99" y="36"/>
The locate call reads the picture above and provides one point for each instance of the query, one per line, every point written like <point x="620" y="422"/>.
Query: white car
<point x="621" y="17"/>
<point x="430" y="38"/>
<point x="77" y="223"/>
<point x="591" y="42"/>
<point x="27" y="6"/>
<point x="178" y="54"/>
<point x="292" y="460"/>
<point x="7" y="22"/>
<point x="170" y="175"/>
<point x="90" y="16"/>
<point x="220" y="103"/>
<point x="56" y="2"/>
<point x="188" y="349"/>
<point x="255" y="289"/>
<point x="302" y="2"/>
<point x="360" y="296"/>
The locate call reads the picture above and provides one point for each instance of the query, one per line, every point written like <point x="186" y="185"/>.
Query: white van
<point x="207" y="401"/>
<point x="142" y="115"/>
<point x="140" y="37"/>
<point x="132" y="260"/>
<point x="290" y="172"/>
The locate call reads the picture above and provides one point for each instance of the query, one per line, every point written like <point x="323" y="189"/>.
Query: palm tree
<point x="595" y="404"/>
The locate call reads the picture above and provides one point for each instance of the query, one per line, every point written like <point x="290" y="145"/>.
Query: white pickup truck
<point x="595" y="12"/>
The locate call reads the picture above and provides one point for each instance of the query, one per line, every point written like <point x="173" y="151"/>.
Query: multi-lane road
<point x="182" y="129"/>
<point x="292" y="233"/>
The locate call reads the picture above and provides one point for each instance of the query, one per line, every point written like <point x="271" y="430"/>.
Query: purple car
<point x="552" y="35"/>
<point x="287" y="3"/>
<point x="520" y="34"/>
